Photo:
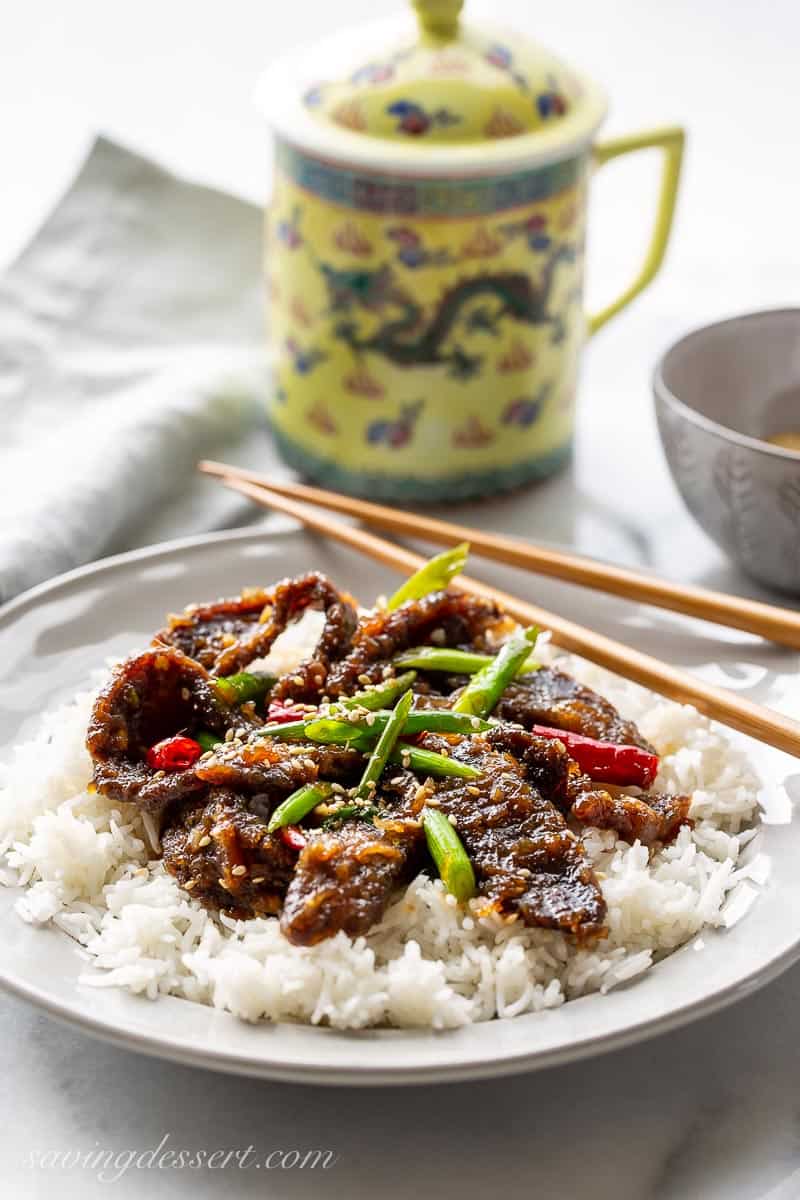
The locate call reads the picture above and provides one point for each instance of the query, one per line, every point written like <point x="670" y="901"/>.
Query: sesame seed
<point x="160" y="775"/>
<point x="257" y="879"/>
<point x="337" y="789"/>
<point x="438" y="637"/>
<point x="432" y="801"/>
<point x="473" y="791"/>
<point x="309" y="764"/>
<point x="370" y="718"/>
<point x="497" y="794"/>
<point x="372" y="785"/>
<point x="185" y="693"/>
<point x="204" y="841"/>
<point x="396" y="780"/>
<point x="223" y="884"/>
<point x="450" y="900"/>
<point x="387" y="672"/>
<point x="229" y="733"/>
<point x="241" y="869"/>
<point x="364" y="678"/>
<point x="187" y="887"/>
<point x="476" y="722"/>
<point x="297" y="680"/>
<point x="445" y="753"/>
<point x="452" y="819"/>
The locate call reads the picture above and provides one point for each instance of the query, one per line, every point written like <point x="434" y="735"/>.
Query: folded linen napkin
<point x="131" y="344"/>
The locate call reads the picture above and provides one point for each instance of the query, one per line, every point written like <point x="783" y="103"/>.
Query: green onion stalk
<point x="382" y="695"/>
<point x="334" y="732"/>
<point x="454" y="662"/>
<point x="244" y="686"/>
<point x="486" y="687"/>
<point x="434" y="576"/>
<point x="380" y="755"/>
<point x="448" y="853"/>
<point x="428" y="762"/>
<point x="299" y="805"/>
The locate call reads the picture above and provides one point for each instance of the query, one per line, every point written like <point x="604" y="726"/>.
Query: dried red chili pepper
<point x="293" y="837"/>
<point x="606" y="762"/>
<point x="174" y="754"/>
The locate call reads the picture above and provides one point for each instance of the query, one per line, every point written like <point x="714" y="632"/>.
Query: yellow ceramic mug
<point x="425" y="256"/>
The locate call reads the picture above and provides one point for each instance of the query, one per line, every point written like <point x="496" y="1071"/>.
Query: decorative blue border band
<point x="468" y="486"/>
<point x="403" y="196"/>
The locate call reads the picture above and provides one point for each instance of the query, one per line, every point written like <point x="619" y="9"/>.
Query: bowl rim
<point x="665" y="393"/>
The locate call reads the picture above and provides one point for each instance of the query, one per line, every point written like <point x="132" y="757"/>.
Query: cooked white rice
<point x="87" y="866"/>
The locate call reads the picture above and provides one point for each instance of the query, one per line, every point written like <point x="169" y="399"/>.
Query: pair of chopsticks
<point x="776" y="624"/>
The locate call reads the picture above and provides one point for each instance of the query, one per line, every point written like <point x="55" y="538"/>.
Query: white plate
<point x="50" y="639"/>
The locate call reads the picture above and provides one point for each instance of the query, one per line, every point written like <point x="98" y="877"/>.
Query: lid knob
<point x="438" y="18"/>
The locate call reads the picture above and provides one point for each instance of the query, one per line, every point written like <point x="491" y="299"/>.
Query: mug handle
<point x="671" y="140"/>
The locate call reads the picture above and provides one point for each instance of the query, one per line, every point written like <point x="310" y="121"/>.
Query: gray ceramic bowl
<point x="718" y="393"/>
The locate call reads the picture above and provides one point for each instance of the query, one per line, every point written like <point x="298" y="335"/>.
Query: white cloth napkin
<point x="131" y="344"/>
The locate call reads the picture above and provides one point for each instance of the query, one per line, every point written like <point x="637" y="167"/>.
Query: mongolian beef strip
<point x="551" y="697"/>
<point x="223" y="854"/>
<point x="150" y="697"/>
<point x="228" y="635"/>
<point x="346" y="876"/>
<point x="442" y="618"/>
<point x="268" y="771"/>
<point x="218" y="845"/>
<point x="650" y="818"/>
<point x="526" y="860"/>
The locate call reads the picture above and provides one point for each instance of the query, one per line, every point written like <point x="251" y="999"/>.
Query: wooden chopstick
<point x="732" y="710"/>
<point x="769" y="621"/>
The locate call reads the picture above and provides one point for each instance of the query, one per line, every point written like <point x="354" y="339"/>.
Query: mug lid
<point x="436" y="97"/>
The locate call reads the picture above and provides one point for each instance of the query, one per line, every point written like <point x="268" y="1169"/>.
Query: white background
<point x="715" y="1110"/>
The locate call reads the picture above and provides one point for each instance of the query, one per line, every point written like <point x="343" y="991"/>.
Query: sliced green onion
<point x="382" y="695"/>
<point x="380" y="755"/>
<point x="342" y="733"/>
<point x="447" y="851"/>
<point x="432" y="577"/>
<point x="207" y="740"/>
<point x="455" y="662"/>
<point x="298" y="805"/>
<point x="334" y="732"/>
<point x="424" y="762"/>
<point x="244" y="686"/>
<point x="428" y="762"/>
<point x="484" y="689"/>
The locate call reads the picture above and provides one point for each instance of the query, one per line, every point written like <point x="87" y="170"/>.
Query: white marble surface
<point x="714" y="1110"/>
